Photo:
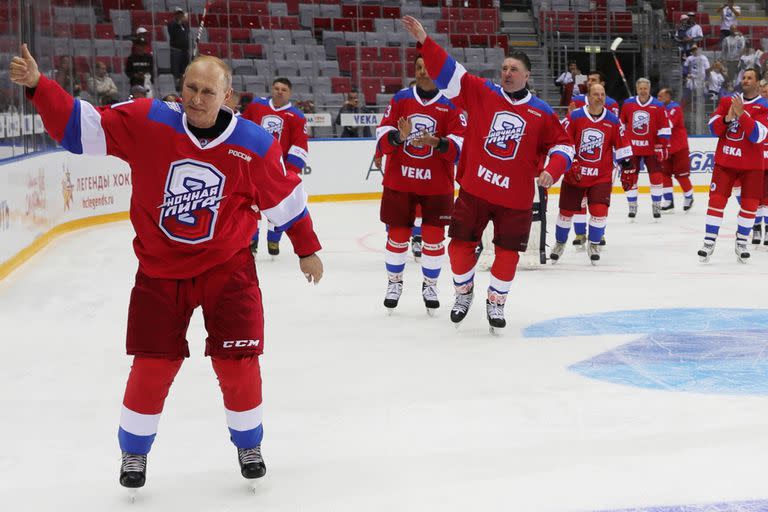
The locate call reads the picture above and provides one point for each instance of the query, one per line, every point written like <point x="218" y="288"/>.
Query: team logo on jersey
<point x="503" y="140"/>
<point x="734" y="133"/>
<point x="273" y="125"/>
<point x="641" y="122"/>
<point x="420" y="123"/>
<point x="193" y="191"/>
<point x="591" y="145"/>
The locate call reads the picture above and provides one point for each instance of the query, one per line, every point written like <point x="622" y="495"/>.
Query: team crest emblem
<point x="641" y="122"/>
<point x="273" y="125"/>
<point x="503" y="140"/>
<point x="193" y="191"/>
<point x="420" y="123"/>
<point x="591" y="145"/>
<point x="734" y="133"/>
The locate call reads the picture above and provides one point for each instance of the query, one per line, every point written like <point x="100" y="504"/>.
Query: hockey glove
<point x="628" y="175"/>
<point x="662" y="152"/>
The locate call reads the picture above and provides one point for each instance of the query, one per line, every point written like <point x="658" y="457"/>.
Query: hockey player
<point x="599" y="139"/>
<point x="196" y="171"/>
<point x="289" y="126"/>
<point x="512" y="131"/>
<point x="741" y="124"/>
<point x="647" y="127"/>
<point x="679" y="163"/>
<point x="421" y="134"/>
<point x="579" y="101"/>
<point x="762" y="212"/>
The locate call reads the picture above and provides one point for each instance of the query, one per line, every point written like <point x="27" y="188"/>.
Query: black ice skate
<point x="656" y="209"/>
<point x="706" y="251"/>
<point x="251" y="462"/>
<point x="557" y="251"/>
<point x="742" y="250"/>
<point x="632" y="210"/>
<point x="273" y="248"/>
<point x="254" y="246"/>
<point x="602" y="242"/>
<point x="687" y="203"/>
<point x="593" y="251"/>
<point x="429" y="293"/>
<point x="757" y="234"/>
<point x="416" y="247"/>
<point x="464" y="295"/>
<point x="494" y="308"/>
<point x="392" y="297"/>
<point x="579" y="241"/>
<point x="669" y="207"/>
<point x="133" y="471"/>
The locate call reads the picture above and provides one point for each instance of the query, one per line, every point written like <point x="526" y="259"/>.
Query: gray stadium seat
<point x="330" y="11"/>
<point x="494" y="55"/>
<point x="81" y="48"/>
<point x="123" y="48"/>
<point x="85" y="15"/>
<point x="162" y="51"/>
<point x="122" y="82"/>
<point x="474" y="55"/>
<point x="121" y="22"/>
<point x="165" y="84"/>
<point x="261" y="36"/>
<point x="307" y="13"/>
<point x="328" y="68"/>
<point x="384" y="25"/>
<point x="399" y="38"/>
<point x="255" y="84"/>
<point x="282" y="37"/>
<point x="489" y="70"/>
<point x="329" y="99"/>
<point x="286" y="68"/>
<point x="237" y="82"/>
<point x="375" y="39"/>
<point x="64" y="14"/>
<point x="243" y="67"/>
<point x="278" y="9"/>
<point x="431" y="13"/>
<point x="104" y="47"/>
<point x="156" y="5"/>
<point x="411" y="10"/>
<point x="321" y="84"/>
<point x="441" y="39"/>
<point x="383" y="100"/>
<point x="295" y="52"/>
<point x="275" y="52"/>
<point x="354" y="38"/>
<point x="307" y="68"/>
<point x="457" y="54"/>
<point x="330" y="41"/>
<point x="314" y="52"/>
<point x="263" y="68"/>
<point x="303" y="37"/>
<point x="301" y="85"/>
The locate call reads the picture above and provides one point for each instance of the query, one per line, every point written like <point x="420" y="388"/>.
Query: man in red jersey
<point x="288" y="125"/>
<point x="579" y="101"/>
<point x="762" y="212"/>
<point x="741" y="124"/>
<point x="421" y="134"/>
<point x="599" y="138"/>
<point x="512" y="132"/>
<point x="647" y="127"/>
<point x="679" y="162"/>
<point x="196" y="171"/>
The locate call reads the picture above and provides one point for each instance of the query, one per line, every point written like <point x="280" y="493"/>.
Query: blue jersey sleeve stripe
<point x="446" y="73"/>
<point x="161" y="113"/>
<point x="251" y="137"/>
<point x="295" y="161"/>
<point x="293" y="221"/>
<point x="72" y="140"/>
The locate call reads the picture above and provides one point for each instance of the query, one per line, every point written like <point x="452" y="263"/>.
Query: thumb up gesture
<point x="24" y="69"/>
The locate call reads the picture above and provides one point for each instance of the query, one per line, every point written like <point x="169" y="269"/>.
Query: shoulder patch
<point x="250" y="137"/>
<point x="162" y="112"/>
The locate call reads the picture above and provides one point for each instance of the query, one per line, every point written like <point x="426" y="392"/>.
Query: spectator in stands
<point x="138" y="91"/>
<point x="308" y="107"/>
<point x="688" y="33"/>
<point x="732" y="50"/>
<point x="178" y="38"/>
<point x="728" y="14"/>
<point x="234" y="102"/>
<point x="101" y="86"/>
<point x="172" y="98"/>
<point x="695" y="71"/>
<point x="716" y="81"/>
<point x="750" y="59"/>
<point x="64" y="76"/>
<point x="567" y="81"/>
<point x="139" y="66"/>
<point x="352" y="106"/>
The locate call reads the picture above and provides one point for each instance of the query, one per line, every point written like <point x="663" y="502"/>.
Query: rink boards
<point x="46" y="194"/>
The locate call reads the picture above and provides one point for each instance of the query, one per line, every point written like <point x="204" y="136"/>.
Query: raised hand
<point x="425" y="139"/>
<point x="415" y="28"/>
<point x="737" y="104"/>
<point x="24" y="70"/>
<point x="405" y="127"/>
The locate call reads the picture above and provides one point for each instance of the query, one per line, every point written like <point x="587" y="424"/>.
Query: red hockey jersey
<point x="287" y="124"/>
<point x="611" y="104"/>
<point x="679" y="139"/>
<point x="740" y="144"/>
<point x="421" y="170"/>
<point x="598" y="143"/>
<point x="190" y="203"/>
<point x="508" y="138"/>
<point x="647" y="124"/>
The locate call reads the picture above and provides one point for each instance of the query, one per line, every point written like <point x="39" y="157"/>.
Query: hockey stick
<point x="614" y="45"/>
<point x="201" y="28"/>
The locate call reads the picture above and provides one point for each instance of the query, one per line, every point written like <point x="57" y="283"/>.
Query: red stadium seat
<point x="341" y="84"/>
<point x="621" y="22"/>
<point x="253" y="51"/>
<point x="390" y="53"/>
<point x="104" y="31"/>
<point x="141" y="19"/>
<point x="392" y="84"/>
<point x="322" y="23"/>
<point x="369" y="53"/>
<point x="365" y="25"/>
<point x="290" y="23"/>
<point x="208" y="49"/>
<point x="217" y="35"/>
<point x="485" y="27"/>
<point x="382" y="69"/>
<point x="464" y="27"/>
<point x="240" y="35"/>
<point x="81" y="31"/>
<point x="391" y="12"/>
<point x="250" y="21"/>
<point x="443" y="26"/>
<point x="293" y="7"/>
<point x="82" y="65"/>
<point x="470" y="14"/>
<point x="239" y="7"/>
<point x="450" y="13"/>
<point x="460" y="40"/>
<point x="370" y="88"/>
<point x="370" y="11"/>
<point x="345" y="55"/>
<point x="344" y="24"/>
<point x="258" y="8"/>
<point x="349" y="11"/>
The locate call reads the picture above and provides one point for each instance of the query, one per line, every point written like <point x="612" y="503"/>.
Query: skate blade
<point x="495" y="331"/>
<point x="742" y="260"/>
<point x="132" y="495"/>
<point x="417" y="259"/>
<point x="704" y="259"/>
<point x="389" y="311"/>
<point x="594" y="262"/>
<point x="253" y="486"/>
<point x="432" y="312"/>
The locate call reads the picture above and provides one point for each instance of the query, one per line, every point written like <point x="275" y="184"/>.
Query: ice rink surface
<point x="639" y="384"/>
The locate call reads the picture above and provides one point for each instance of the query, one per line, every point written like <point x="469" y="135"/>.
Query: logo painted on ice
<point x="193" y="191"/>
<point x="273" y="125"/>
<point x="503" y="140"/>
<point x="591" y="145"/>
<point x="420" y="123"/>
<point x="641" y="122"/>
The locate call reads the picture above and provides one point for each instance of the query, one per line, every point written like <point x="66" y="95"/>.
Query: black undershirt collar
<point x="427" y="95"/>
<point x="206" y="135"/>
<point x="517" y="95"/>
